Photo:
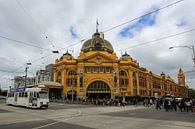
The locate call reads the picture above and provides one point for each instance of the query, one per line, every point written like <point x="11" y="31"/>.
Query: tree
<point x="192" y="93"/>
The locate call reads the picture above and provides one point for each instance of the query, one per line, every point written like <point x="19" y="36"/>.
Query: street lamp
<point x="189" y="47"/>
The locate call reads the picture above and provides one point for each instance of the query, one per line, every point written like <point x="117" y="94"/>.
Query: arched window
<point x="72" y="73"/>
<point x="72" y="78"/>
<point x="123" y="80"/>
<point x="59" y="78"/>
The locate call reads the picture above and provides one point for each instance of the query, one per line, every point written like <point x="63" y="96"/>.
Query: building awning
<point x="51" y="84"/>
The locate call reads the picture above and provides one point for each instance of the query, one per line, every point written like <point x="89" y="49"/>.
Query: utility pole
<point x="0" y="88"/>
<point x="193" y="58"/>
<point x="26" y="70"/>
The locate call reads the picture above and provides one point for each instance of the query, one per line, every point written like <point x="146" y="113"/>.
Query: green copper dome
<point x="97" y="43"/>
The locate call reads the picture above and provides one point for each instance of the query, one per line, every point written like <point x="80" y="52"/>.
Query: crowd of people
<point x="168" y="104"/>
<point x="181" y="105"/>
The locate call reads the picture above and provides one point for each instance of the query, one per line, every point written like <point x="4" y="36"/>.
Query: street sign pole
<point x="72" y="84"/>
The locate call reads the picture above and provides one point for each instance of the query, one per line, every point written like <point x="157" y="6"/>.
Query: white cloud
<point x="56" y="17"/>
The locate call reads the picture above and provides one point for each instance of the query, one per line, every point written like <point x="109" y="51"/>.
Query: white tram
<point x="28" y="97"/>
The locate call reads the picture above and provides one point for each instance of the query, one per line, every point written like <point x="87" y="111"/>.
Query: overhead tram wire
<point x="149" y="42"/>
<point x="145" y="43"/>
<point x="34" y="22"/>
<point x="38" y="27"/>
<point x="164" y="7"/>
<point x="121" y="23"/>
<point x="24" y="43"/>
<point x="6" y="71"/>
<point x="33" y="61"/>
<point x="169" y="5"/>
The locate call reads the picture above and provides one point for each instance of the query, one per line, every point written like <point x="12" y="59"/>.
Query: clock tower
<point x="181" y="77"/>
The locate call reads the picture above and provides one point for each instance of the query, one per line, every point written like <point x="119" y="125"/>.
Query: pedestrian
<point x="174" y="105"/>
<point x="151" y="102"/>
<point x="182" y="105"/>
<point x="158" y="106"/>
<point x="166" y="105"/>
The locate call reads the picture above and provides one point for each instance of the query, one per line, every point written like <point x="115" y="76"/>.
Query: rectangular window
<point x="134" y="74"/>
<point x="95" y="69"/>
<point x="107" y="70"/>
<point x="101" y="69"/>
<point x="88" y="70"/>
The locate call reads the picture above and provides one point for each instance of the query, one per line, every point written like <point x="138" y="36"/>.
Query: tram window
<point x="43" y="95"/>
<point x="25" y="94"/>
<point x="35" y="94"/>
<point x="20" y="95"/>
<point x="31" y="94"/>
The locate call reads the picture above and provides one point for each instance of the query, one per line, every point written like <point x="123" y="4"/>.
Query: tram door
<point x="16" y="97"/>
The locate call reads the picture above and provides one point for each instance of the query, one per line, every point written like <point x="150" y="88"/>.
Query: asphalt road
<point x="150" y="113"/>
<point x="73" y="116"/>
<point x="45" y="124"/>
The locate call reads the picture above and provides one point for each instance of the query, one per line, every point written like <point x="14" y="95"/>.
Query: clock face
<point x="98" y="60"/>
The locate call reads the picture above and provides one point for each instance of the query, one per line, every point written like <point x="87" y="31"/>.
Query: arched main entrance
<point x="98" y="89"/>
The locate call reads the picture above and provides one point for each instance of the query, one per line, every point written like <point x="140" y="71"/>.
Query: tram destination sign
<point x="17" y="89"/>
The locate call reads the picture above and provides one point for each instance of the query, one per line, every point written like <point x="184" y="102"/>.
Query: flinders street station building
<point x="98" y="73"/>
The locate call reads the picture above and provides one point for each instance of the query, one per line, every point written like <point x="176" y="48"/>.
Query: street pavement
<point x="74" y="116"/>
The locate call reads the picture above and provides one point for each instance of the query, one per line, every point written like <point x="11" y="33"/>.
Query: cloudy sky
<point x="31" y="29"/>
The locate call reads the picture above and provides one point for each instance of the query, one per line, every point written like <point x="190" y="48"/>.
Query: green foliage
<point x="192" y="93"/>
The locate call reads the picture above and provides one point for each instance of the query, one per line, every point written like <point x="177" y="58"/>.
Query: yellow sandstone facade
<point x="98" y="73"/>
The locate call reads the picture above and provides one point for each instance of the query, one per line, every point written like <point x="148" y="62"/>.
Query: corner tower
<point x="181" y="77"/>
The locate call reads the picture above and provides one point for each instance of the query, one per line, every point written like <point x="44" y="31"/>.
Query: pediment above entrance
<point x="98" y="57"/>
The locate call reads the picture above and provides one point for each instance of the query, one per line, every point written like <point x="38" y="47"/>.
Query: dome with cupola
<point x="97" y="43"/>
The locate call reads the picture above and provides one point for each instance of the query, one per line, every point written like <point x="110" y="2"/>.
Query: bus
<point x="28" y="97"/>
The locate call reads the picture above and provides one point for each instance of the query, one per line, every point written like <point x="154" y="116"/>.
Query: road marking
<point x="79" y="113"/>
<point x="47" y="125"/>
<point x="132" y="114"/>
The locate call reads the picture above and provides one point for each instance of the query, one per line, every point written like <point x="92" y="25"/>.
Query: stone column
<point x="130" y="82"/>
<point x="64" y="79"/>
<point x="137" y="78"/>
<point x="54" y="75"/>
